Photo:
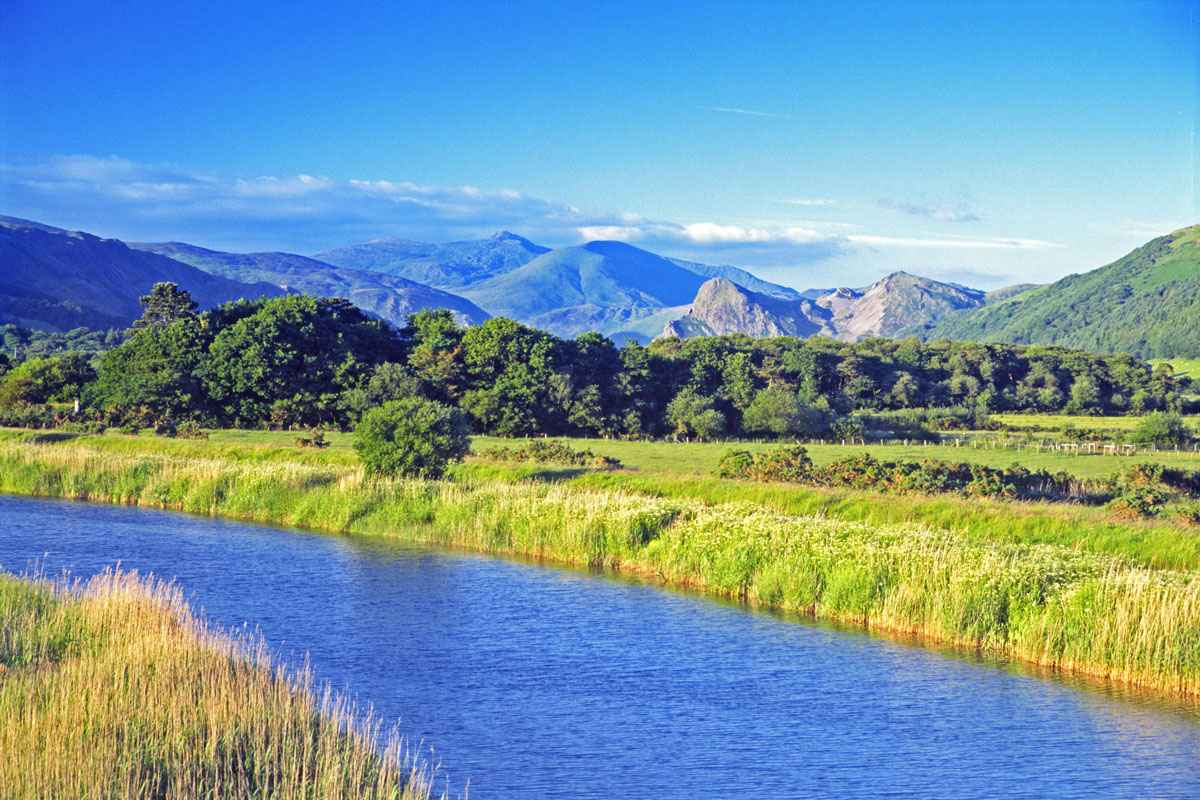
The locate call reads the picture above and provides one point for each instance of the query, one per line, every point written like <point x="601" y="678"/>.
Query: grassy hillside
<point x="1147" y="304"/>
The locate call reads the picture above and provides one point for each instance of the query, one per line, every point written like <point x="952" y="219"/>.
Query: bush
<point x="780" y="412"/>
<point x="847" y="429"/>
<point x="1138" y="503"/>
<point x="411" y="437"/>
<point x="1161" y="428"/>
<point x="550" y="452"/>
<point x="316" y="439"/>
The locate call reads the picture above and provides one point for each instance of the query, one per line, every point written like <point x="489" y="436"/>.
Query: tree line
<point x="301" y="361"/>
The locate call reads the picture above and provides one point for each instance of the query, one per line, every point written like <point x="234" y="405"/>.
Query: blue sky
<point x="817" y="144"/>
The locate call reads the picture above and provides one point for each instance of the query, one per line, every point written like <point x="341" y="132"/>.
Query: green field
<point x="700" y="458"/>
<point x="1056" y="422"/>
<point x="1189" y="367"/>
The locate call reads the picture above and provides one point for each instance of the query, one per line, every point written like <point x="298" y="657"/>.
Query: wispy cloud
<point x="961" y="242"/>
<point x="304" y="213"/>
<point x="937" y="211"/>
<point x="744" y="111"/>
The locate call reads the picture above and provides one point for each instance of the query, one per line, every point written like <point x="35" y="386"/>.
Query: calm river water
<point x="535" y="682"/>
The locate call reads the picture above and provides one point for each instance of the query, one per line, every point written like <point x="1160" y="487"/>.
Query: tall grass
<point x="1059" y="606"/>
<point x="114" y="688"/>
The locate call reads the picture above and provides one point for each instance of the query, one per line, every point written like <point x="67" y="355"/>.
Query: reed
<point x="113" y="688"/>
<point x="1062" y="606"/>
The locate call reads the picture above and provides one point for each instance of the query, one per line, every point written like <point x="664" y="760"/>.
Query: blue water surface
<point x="536" y="682"/>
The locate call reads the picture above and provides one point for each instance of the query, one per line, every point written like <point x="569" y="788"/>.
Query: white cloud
<point x="308" y="212"/>
<point x="939" y="211"/>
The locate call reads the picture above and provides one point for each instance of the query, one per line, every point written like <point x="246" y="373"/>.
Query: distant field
<point x="1059" y="421"/>
<point x="1183" y="366"/>
<point x="700" y="458"/>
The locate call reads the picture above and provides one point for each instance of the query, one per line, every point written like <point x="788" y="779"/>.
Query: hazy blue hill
<point x="595" y="286"/>
<point x="387" y="296"/>
<point x="741" y="278"/>
<point x="450" y="265"/>
<point x="51" y="279"/>
<point x="1146" y="304"/>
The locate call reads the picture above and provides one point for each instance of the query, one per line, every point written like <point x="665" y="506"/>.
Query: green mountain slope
<point x="386" y="296"/>
<point x="51" y="279"/>
<point x="1146" y="304"/>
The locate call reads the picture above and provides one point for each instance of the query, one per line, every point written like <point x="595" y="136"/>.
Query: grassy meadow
<point x="700" y="458"/>
<point x="1189" y="367"/>
<point x="1057" y="586"/>
<point x="113" y="688"/>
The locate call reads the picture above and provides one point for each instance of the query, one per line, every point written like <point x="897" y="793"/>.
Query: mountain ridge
<point x="1146" y="303"/>
<point x="386" y="296"/>
<point x="58" y="280"/>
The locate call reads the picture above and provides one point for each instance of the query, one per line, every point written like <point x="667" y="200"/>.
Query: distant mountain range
<point x="386" y="296"/>
<point x="451" y="265"/>
<point x="1146" y="303"/>
<point x="52" y="279"/>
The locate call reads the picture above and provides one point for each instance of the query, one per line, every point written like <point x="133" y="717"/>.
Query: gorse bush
<point x="1139" y="492"/>
<point x="411" y="437"/>
<point x="549" y="452"/>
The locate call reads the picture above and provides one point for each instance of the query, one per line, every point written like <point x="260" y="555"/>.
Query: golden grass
<point x="113" y="688"/>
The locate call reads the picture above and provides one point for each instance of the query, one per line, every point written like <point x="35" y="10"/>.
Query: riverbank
<point x="114" y="688"/>
<point x="1058" y="605"/>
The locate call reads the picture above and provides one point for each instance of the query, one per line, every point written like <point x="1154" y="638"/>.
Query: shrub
<point x="735" y="464"/>
<point x="1137" y="503"/>
<point x="846" y="428"/>
<point x="549" y="452"/>
<point x="315" y="439"/>
<point x="1161" y="428"/>
<point x="411" y="437"/>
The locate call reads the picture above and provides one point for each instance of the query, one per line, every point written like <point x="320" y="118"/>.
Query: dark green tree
<point x="159" y="370"/>
<point x="289" y="361"/>
<point x="43" y="380"/>
<point x="165" y="304"/>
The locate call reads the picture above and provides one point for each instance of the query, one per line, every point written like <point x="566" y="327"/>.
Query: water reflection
<point x="540" y="682"/>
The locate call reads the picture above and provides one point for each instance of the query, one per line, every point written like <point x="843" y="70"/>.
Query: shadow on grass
<point x="50" y="437"/>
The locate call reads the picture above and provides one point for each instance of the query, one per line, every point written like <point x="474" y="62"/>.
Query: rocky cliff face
<point x="723" y="307"/>
<point x="890" y="305"/>
<point x="898" y="302"/>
